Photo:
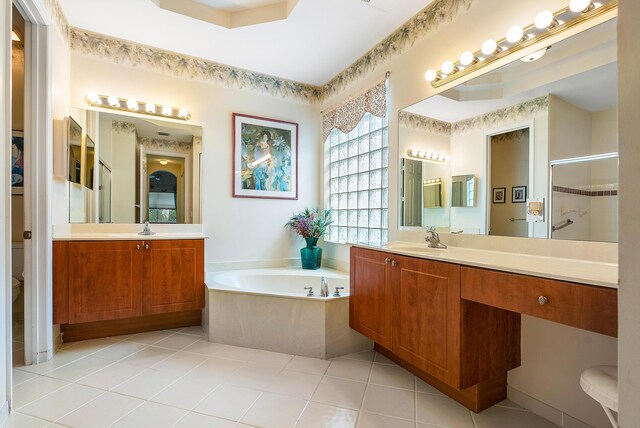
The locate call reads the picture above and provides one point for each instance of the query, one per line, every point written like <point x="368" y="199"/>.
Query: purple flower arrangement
<point x="310" y="223"/>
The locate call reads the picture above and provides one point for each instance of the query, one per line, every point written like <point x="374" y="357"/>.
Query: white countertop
<point x="126" y="236"/>
<point x="563" y="269"/>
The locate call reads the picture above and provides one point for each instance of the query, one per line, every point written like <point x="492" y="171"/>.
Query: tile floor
<point x="178" y="379"/>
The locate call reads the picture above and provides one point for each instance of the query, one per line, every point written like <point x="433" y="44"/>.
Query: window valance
<point x="346" y="116"/>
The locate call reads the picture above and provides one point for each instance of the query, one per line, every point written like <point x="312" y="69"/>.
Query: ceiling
<point x="319" y="39"/>
<point x="149" y="128"/>
<point x="582" y="70"/>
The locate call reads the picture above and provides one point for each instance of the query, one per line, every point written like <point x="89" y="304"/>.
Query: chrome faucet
<point x="324" y="287"/>
<point x="433" y="239"/>
<point x="147" y="229"/>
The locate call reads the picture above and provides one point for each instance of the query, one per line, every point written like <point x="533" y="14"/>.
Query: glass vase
<point x="311" y="255"/>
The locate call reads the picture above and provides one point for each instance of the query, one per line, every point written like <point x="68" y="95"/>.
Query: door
<point x="105" y="280"/>
<point x="104" y="194"/>
<point x="509" y="183"/>
<point x="426" y="328"/>
<point x="411" y="192"/>
<point x="370" y="301"/>
<point x="173" y="276"/>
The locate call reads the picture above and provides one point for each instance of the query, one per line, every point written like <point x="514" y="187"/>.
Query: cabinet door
<point x="173" y="276"/>
<point x="426" y="326"/>
<point x="105" y="280"/>
<point x="370" y="300"/>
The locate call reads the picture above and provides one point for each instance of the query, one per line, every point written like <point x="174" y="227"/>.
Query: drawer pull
<point x="394" y="263"/>
<point x="543" y="300"/>
<point x="387" y="261"/>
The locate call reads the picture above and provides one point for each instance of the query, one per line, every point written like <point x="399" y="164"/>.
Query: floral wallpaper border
<point x="165" y="145"/>
<point x="60" y="19"/>
<point x="123" y="127"/>
<point x="423" y="123"/>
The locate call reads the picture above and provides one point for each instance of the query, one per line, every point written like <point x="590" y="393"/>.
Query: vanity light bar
<point x="432" y="181"/>
<point x="430" y="156"/>
<point x="546" y="24"/>
<point x="131" y="105"/>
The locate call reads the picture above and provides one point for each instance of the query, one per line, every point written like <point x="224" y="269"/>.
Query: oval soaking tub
<point x="269" y="309"/>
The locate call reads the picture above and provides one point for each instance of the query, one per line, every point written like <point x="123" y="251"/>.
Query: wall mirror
<point x="540" y="131"/>
<point x="146" y="170"/>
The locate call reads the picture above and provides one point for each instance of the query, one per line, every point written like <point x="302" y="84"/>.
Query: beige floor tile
<point x="177" y="341"/>
<point x="369" y="420"/>
<point x="180" y="362"/>
<point x="228" y="402"/>
<point x="234" y="352"/>
<point x="350" y="369"/>
<point x="441" y="410"/>
<point x="101" y="412"/>
<point x="184" y="393"/>
<point x="194" y="331"/>
<point x="88" y="347"/>
<point x="308" y="365"/>
<point x="20" y="376"/>
<point x="256" y="376"/>
<point x="34" y="389"/>
<point x="150" y="337"/>
<point x="19" y="420"/>
<point x="148" y="356"/>
<point x="383" y="400"/>
<point x="196" y="420"/>
<point x="203" y="347"/>
<point x="214" y="370"/>
<point x="501" y="417"/>
<point x="274" y="411"/>
<point x="110" y="376"/>
<point x="381" y="359"/>
<point x="340" y="392"/>
<point x="394" y="376"/>
<point x="362" y="356"/>
<point x="151" y="415"/>
<point x="295" y="384"/>
<point x="65" y="400"/>
<point x="318" y="415"/>
<point x="119" y="350"/>
<point x="79" y="368"/>
<point x="268" y="358"/>
<point x="146" y="384"/>
<point x="510" y="405"/>
<point x="422" y="386"/>
<point x="60" y="359"/>
<point x="539" y="421"/>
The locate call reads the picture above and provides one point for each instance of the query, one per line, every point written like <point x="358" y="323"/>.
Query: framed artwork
<point x="519" y="194"/>
<point x="265" y="158"/>
<point x="17" y="160"/>
<point x="499" y="195"/>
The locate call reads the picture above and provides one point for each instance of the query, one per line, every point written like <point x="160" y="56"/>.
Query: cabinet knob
<point x="146" y="246"/>
<point x="137" y="246"/>
<point x="543" y="300"/>
<point x="387" y="261"/>
<point x="394" y="263"/>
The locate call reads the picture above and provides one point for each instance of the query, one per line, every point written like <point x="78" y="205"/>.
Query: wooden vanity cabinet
<point x="136" y="285"/>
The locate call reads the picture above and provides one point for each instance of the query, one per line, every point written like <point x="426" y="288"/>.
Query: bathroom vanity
<point x="110" y="284"/>
<point x="452" y="317"/>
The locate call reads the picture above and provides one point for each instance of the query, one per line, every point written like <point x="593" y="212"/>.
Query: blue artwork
<point x="17" y="161"/>
<point x="266" y="158"/>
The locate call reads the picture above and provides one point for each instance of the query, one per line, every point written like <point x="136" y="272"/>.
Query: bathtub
<point x="269" y="309"/>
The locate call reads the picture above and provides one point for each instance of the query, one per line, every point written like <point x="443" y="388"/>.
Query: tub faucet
<point x="324" y="287"/>
<point x="147" y="229"/>
<point x="433" y="239"/>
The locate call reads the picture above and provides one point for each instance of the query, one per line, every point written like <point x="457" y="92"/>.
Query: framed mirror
<point x="540" y="137"/>
<point x="147" y="169"/>
<point x="75" y="151"/>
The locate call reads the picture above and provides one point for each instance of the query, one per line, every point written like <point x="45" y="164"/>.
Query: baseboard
<point x="544" y="410"/>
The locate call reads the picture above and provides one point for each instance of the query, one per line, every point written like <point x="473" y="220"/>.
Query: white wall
<point x="239" y="229"/>
<point x="629" y="294"/>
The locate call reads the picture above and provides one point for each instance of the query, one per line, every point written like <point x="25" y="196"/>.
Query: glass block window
<point x="358" y="182"/>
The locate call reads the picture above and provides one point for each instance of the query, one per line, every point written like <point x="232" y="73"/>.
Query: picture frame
<point x="265" y="158"/>
<point x="17" y="162"/>
<point x="499" y="195"/>
<point x="518" y="194"/>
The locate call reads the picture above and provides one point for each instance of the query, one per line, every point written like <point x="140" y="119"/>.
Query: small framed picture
<point x="519" y="194"/>
<point x="499" y="195"/>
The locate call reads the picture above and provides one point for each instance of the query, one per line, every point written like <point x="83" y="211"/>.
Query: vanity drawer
<point x="583" y="306"/>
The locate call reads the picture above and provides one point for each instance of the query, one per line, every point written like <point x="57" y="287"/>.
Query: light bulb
<point x="441" y="157"/>
<point x="514" y="34"/>
<point x="183" y="112"/>
<point x="163" y="162"/>
<point x="430" y="75"/>
<point x="150" y="107"/>
<point x="413" y="152"/>
<point x="166" y="110"/>
<point x="543" y="20"/>
<point x="419" y="154"/>
<point x="579" y="5"/>
<point x="113" y="101"/>
<point x="447" y="67"/>
<point x="466" y="58"/>
<point x="132" y="104"/>
<point x="489" y="47"/>
<point x="428" y="155"/>
<point x="94" y="98"/>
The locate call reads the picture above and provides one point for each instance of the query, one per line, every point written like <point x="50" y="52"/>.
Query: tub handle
<point x="310" y="293"/>
<point x="337" y="292"/>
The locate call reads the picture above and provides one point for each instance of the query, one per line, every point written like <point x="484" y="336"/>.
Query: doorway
<point x="509" y="182"/>
<point x="165" y="198"/>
